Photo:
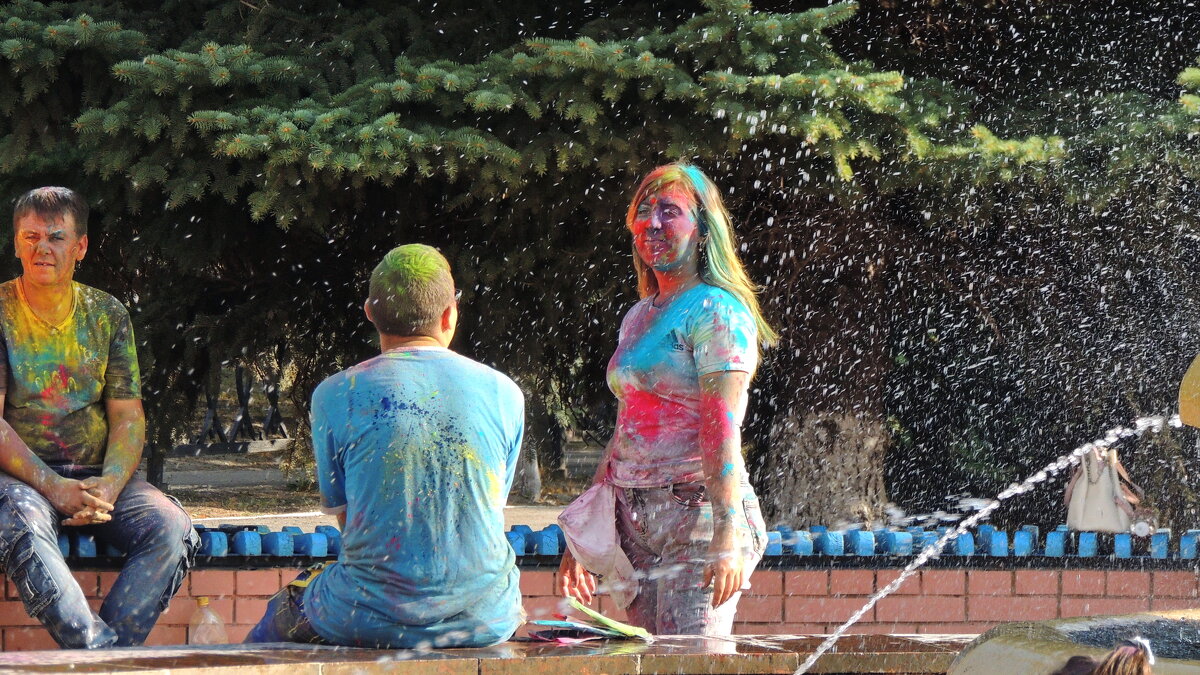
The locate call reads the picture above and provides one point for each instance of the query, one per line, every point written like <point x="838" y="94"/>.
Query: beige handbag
<point x="1098" y="500"/>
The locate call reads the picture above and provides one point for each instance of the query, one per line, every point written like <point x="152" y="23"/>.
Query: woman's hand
<point x="574" y="581"/>
<point x="726" y="569"/>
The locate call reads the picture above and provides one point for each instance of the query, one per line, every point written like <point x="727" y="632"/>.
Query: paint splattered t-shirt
<point x="655" y="374"/>
<point x="420" y="447"/>
<point x="56" y="378"/>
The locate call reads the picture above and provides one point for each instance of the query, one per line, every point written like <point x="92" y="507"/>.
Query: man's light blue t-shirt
<point x="420" y="446"/>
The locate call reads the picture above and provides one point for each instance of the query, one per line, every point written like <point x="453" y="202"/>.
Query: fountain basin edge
<point x="1039" y="647"/>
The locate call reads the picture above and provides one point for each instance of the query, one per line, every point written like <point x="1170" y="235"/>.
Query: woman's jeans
<point x="153" y="531"/>
<point x="666" y="533"/>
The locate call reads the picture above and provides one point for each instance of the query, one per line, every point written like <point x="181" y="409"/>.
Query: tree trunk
<point x="528" y="481"/>
<point x="827" y="468"/>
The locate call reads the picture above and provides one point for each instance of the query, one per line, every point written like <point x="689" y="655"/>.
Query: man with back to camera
<point x="72" y="436"/>
<point x="416" y="450"/>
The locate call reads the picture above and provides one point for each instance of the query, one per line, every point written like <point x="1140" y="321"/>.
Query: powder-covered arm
<point x="70" y="497"/>
<point x="724" y="340"/>
<point x="123" y="411"/>
<point x="722" y="403"/>
<point x="123" y="452"/>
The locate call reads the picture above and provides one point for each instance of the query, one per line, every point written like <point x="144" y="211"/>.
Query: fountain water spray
<point x="1140" y="426"/>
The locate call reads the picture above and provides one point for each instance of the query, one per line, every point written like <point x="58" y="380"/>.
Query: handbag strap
<point x="1125" y="476"/>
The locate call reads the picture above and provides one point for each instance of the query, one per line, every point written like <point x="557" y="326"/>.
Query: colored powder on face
<point x="728" y="469"/>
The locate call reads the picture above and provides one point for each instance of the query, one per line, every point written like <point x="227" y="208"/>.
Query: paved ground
<point x="240" y="472"/>
<point x="536" y="517"/>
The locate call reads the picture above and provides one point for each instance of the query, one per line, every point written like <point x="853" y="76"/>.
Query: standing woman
<point x="671" y="521"/>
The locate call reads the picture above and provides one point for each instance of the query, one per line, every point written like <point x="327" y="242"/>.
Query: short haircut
<point x="410" y="288"/>
<point x="52" y="201"/>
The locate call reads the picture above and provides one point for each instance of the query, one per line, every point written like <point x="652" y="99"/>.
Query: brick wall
<point x="781" y="601"/>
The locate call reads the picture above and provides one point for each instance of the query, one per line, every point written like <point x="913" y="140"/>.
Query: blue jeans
<point x="153" y="531"/>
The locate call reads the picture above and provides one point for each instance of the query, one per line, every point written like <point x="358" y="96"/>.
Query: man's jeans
<point x="152" y="530"/>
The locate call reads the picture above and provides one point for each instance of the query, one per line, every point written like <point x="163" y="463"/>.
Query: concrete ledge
<point x="674" y="655"/>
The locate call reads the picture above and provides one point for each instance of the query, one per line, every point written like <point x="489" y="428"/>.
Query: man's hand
<point x="725" y="571"/>
<point x="574" y="581"/>
<point x="105" y="488"/>
<point x="88" y="516"/>
<point x="71" y="498"/>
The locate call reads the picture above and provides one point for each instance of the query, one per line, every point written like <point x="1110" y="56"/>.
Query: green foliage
<point x="248" y="163"/>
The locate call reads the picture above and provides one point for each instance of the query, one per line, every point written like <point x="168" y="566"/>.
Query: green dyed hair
<point x="720" y="265"/>
<point x="410" y="288"/>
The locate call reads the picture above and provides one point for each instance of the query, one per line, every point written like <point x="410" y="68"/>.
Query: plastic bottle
<point x="206" y="627"/>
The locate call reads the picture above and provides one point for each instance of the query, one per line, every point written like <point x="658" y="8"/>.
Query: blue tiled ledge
<point x="987" y="547"/>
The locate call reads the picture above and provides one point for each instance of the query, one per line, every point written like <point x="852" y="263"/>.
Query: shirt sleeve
<point x="724" y="336"/>
<point x="122" y="379"/>
<point x="331" y="474"/>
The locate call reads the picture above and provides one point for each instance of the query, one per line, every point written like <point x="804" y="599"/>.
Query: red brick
<point x="851" y="582"/>
<point x="180" y="611"/>
<point x="538" y="583"/>
<point x="943" y="582"/>
<point x="806" y="582"/>
<point x="10" y="591"/>
<point x="1174" y="584"/>
<point x="167" y="635"/>
<point x="1082" y="582"/>
<point x="780" y="628"/>
<point x="922" y="609"/>
<point x="609" y="608"/>
<point x="544" y="607"/>
<point x="1128" y="584"/>
<point x="12" y="613"/>
<point x="237" y="632"/>
<point x="259" y="582"/>
<point x="883" y="628"/>
<point x="1091" y="606"/>
<point x="213" y="583"/>
<point x="762" y="609"/>
<point x="24" y="639"/>
<point x="956" y="628"/>
<point x="799" y="609"/>
<point x="249" y="609"/>
<point x="982" y="582"/>
<point x="1023" y="608"/>
<point x="89" y="583"/>
<point x="1157" y="603"/>
<point x="911" y="585"/>
<point x="107" y="579"/>
<point x="766" y="582"/>
<point x="1036" y="582"/>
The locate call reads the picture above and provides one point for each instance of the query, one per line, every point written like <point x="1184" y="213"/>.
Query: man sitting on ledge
<point x="70" y="391"/>
<point x="416" y="450"/>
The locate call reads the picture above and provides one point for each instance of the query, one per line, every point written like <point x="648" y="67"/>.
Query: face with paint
<point x="48" y="248"/>
<point x="666" y="232"/>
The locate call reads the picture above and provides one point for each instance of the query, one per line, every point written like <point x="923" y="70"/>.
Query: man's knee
<point x="175" y="531"/>
<point x="24" y="512"/>
<point x="159" y="522"/>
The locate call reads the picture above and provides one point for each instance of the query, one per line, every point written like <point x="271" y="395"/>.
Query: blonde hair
<point x="1130" y="657"/>
<point x="720" y="265"/>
